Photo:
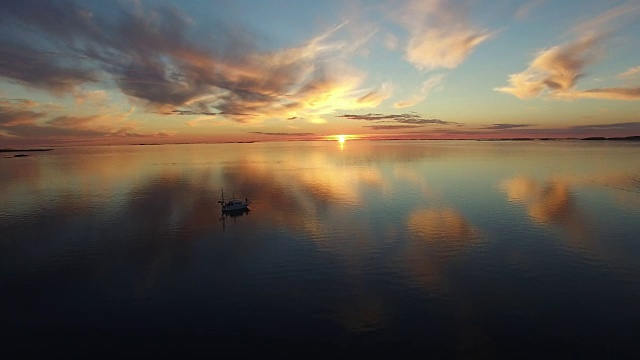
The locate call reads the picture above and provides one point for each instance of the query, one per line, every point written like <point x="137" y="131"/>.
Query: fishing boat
<point x="233" y="204"/>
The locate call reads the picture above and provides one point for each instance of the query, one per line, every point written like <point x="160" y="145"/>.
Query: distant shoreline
<point x="633" y="138"/>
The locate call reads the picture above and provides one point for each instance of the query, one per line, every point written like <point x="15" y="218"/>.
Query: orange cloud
<point x="555" y="71"/>
<point x="440" y="34"/>
<point x="26" y="119"/>
<point x="375" y="97"/>
<point x="96" y="97"/>
<point x="14" y="113"/>
<point x="443" y="48"/>
<point x="604" y="93"/>
<point x="631" y="73"/>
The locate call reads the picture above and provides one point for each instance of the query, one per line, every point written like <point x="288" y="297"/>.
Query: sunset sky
<point x="125" y="72"/>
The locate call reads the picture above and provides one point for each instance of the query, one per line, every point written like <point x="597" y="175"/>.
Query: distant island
<point x="628" y="138"/>
<point x="23" y="150"/>
<point x="195" y="143"/>
<point x="601" y="138"/>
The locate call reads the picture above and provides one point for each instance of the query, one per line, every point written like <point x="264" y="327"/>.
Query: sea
<point x="455" y="249"/>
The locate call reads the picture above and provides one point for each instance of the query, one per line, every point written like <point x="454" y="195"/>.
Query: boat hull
<point x="235" y="207"/>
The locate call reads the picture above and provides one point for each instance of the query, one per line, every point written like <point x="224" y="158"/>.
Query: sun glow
<point x="342" y="138"/>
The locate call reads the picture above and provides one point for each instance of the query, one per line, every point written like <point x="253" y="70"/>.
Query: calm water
<point x="465" y="248"/>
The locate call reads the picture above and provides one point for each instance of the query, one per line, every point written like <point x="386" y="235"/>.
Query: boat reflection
<point x="232" y="214"/>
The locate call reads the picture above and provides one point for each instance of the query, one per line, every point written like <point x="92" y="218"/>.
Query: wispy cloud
<point x="393" y="127"/>
<point x="505" y="126"/>
<point x="441" y="35"/>
<point x="30" y="120"/>
<point x="604" y="93"/>
<point x="631" y="73"/>
<point x="407" y="118"/>
<point x="621" y="14"/>
<point x="282" y="133"/>
<point x="555" y="71"/>
<point x="14" y="112"/>
<point x="202" y="113"/>
<point x="625" y="126"/>
<point x="95" y="97"/>
<point x="605" y="130"/>
<point x="148" y="52"/>
<point x="506" y="130"/>
<point x="527" y="8"/>
<point x="375" y="97"/>
<point x="36" y="68"/>
<point x="404" y="121"/>
<point x="426" y="88"/>
<point x="391" y="41"/>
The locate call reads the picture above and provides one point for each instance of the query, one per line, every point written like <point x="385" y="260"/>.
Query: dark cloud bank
<point x="396" y="121"/>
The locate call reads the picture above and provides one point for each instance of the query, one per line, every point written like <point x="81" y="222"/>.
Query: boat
<point x="233" y="204"/>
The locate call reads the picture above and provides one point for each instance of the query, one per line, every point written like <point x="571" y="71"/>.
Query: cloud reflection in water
<point x="439" y="236"/>
<point x="554" y="203"/>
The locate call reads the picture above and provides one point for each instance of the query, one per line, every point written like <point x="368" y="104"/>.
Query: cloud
<point x="604" y="93"/>
<point x="631" y="73"/>
<point x="17" y="112"/>
<point x="390" y="41"/>
<point x="76" y="122"/>
<point x="30" y="56"/>
<point x="440" y="34"/>
<point x="95" y="97"/>
<point x="39" y="69"/>
<point x="374" y="98"/>
<point x="407" y="118"/>
<point x="13" y="118"/>
<point x="505" y="130"/>
<point x="281" y="133"/>
<point x="29" y="120"/>
<point x="505" y="126"/>
<point x="426" y="88"/>
<point x="436" y="48"/>
<point x="150" y="54"/>
<point x="626" y="126"/>
<point x="525" y="10"/>
<point x="202" y="113"/>
<point x="599" y="24"/>
<point x="605" y="130"/>
<point x="392" y="127"/>
<point x="556" y="70"/>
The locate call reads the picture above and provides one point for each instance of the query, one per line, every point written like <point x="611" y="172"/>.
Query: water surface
<point x="467" y="248"/>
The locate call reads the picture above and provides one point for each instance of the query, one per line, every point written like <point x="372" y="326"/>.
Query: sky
<point x="129" y="72"/>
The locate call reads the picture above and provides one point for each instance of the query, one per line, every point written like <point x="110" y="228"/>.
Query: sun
<point x="342" y="138"/>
